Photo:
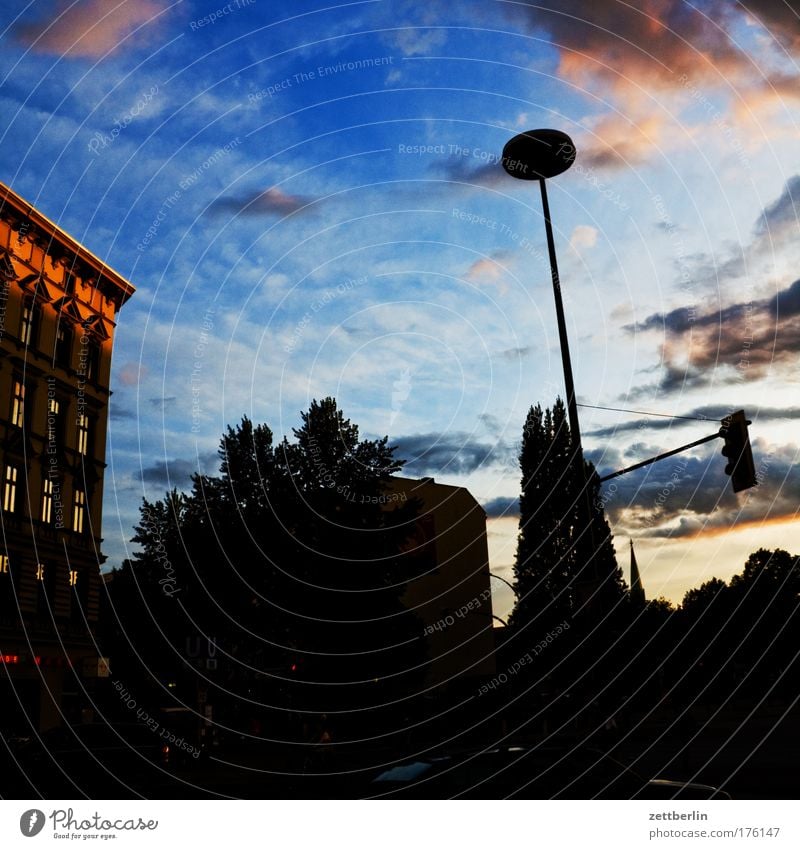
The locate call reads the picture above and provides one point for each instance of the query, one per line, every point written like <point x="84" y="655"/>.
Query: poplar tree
<point x="562" y="566"/>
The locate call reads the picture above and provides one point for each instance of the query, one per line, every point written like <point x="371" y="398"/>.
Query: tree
<point x="289" y="562"/>
<point x="561" y="563"/>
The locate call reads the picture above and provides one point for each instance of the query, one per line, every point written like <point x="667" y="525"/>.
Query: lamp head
<point x="538" y="154"/>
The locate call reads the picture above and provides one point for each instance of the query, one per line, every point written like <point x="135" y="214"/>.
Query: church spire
<point x="637" y="590"/>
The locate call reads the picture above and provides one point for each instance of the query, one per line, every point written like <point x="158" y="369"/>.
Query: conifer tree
<point x="560" y="564"/>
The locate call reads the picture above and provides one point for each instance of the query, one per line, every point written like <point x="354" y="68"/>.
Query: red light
<point x="10" y="659"/>
<point x="293" y="667"/>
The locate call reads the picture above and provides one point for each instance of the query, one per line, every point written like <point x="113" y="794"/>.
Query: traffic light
<point x="737" y="449"/>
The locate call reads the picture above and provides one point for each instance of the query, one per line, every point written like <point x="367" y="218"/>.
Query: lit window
<point x="83" y="433"/>
<point x="3" y="564"/>
<point x="78" y="509"/>
<point x="40" y="572"/>
<point x="53" y="421"/>
<point x="27" y="329"/>
<point x="73" y="577"/>
<point x="47" y="500"/>
<point x="10" y="489"/>
<point x="18" y="404"/>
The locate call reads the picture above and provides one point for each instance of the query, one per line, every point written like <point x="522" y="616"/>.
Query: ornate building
<point x="58" y="308"/>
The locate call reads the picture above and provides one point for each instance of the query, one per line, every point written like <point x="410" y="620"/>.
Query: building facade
<point x="451" y="593"/>
<point x="58" y="311"/>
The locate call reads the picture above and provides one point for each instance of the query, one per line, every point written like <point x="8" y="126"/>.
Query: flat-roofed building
<point x="451" y="594"/>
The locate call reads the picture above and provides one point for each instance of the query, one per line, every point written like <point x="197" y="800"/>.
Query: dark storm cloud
<point x="689" y="494"/>
<point x="502" y="507"/>
<point x="449" y="453"/>
<point x="736" y="343"/>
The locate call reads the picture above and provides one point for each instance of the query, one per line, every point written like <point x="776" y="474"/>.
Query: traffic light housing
<point x="737" y="449"/>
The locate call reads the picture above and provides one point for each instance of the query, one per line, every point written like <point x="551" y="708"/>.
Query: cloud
<point x="634" y="54"/>
<point x="783" y="214"/>
<point x="505" y="507"/>
<point x="515" y="354"/>
<point x="273" y="201"/>
<point x="781" y="18"/>
<point x="739" y="342"/>
<point x="490" y="270"/>
<point x="90" y="29"/>
<point x="177" y="473"/>
<point x="131" y="373"/>
<point x="117" y="412"/>
<point x="583" y="236"/>
<point x="616" y="141"/>
<point x="462" y="170"/>
<point x="162" y="403"/>
<point x="686" y="496"/>
<point x="450" y="453"/>
<point x="622" y="44"/>
<point x="714" y="413"/>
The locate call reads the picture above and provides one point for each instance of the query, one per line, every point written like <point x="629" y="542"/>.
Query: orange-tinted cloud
<point x="740" y="342"/>
<point x="653" y="42"/>
<point x="490" y="270"/>
<point x="131" y="373"/>
<point x="637" y="55"/>
<point x="618" y="140"/>
<point x="692" y="497"/>
<point x="90" y="29"/>
<point x="272" y="201"/>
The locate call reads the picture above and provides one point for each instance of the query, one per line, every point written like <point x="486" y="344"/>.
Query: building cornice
<point x="62" y="247"/>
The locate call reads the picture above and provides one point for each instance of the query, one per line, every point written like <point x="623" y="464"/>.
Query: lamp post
<point x="539" y="155"/>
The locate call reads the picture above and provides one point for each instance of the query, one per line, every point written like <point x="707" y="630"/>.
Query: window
<point x="8" y="588"/>
<point x="92" y="360"/>
<point x="73" y="577"/>
<point x="47" y="500"/>
<point x="18" y="404"/>
<point x="55" y="428"/>
<point x="10" y="489"/>
<point x="62" y="353"/>
<point x="78" y="510"/>
<point x="83" y="433"/>
<point x="29" y="323"/>
<point x="45" y="585"/>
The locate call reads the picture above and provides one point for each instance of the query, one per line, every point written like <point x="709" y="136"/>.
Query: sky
<point x="309" y="201"/>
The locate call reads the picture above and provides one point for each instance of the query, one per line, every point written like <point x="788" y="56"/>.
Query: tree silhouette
<point x="290" y="561"/>
<point x="557" y="555"/>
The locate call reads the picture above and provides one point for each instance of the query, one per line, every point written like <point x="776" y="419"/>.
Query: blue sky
<point x="309" y="202"/>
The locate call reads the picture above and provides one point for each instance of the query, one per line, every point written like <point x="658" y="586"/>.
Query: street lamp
<point x="539" y="155"/>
